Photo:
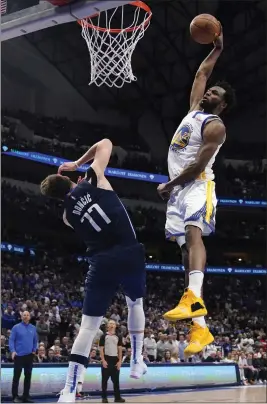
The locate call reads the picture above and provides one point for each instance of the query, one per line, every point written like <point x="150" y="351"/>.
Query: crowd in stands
<point x="63" y="130"/>
<point x="43" y="285"/>
<point x="245" y="181"/>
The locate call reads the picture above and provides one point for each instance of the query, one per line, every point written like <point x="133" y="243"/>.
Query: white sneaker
<point x="66" y="397"/>
<point x="138" y="369"/>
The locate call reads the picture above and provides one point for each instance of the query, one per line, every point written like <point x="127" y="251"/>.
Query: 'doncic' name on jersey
<point x="98" y="216"/>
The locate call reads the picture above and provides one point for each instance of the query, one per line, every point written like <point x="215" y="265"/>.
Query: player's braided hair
<point x="55" y="186"/>
<point x="229" y="95"/>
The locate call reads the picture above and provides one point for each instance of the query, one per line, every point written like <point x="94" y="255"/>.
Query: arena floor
<point x="250" y="394"/>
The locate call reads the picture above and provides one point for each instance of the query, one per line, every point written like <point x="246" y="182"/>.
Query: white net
<point x="3" y="7"/>
<point x="111" y="49"/>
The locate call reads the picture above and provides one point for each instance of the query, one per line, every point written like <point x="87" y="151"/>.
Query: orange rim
<point x="137" y="3"/>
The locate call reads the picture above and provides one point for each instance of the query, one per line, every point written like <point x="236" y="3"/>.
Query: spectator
<point x="260" y="353"/>
<point x="54" y="331"/>
<point x="263" y="368"/>
<point x="235" y="346"/>
<point x="4" y="350"/>
<point x="247" y="343"/>
<point x="54" y="312"/>
<point x="51" y="356"/>
<point x="145" y="358"/>
<point x="93" y="358"/>
<point x="56" y="345"/>
<point x="73" y="328"/>
<point x="23" y="345"/>
<point x="161" y="346"/>
<point x="217" y="342"/>
<point x="58" y="355"/>
<point x="115" y="316"/>
<point x="127" y="356"/>
<point x="8" y="318"/>
<point x="174" y="357"/>
<point x="246" y="373"/>
<point x="227" y="346"/>
<point x="212" y="357"/>
<point x="46" y="320"/>
<point x="197" y="358"/>
<point x="150" y="346"/>
<point x="167" y="357"/>
<point x="182" y="344"/>
<point x="64" y="327"/>
<point x="175" y="342"/>
<point x="170" y="344"/>
<point x="255" y="371"/>
<point x="257" y="364"/>
<point x="8" y="333"/>
<point x="127" y="342"/>
<point x="40" y="357"/>
<point x="42" y="330"/>
<point x="229" y="358"/>
<point x="65" y="347"/>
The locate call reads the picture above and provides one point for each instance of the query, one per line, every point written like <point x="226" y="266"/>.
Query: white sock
<point x="200" y="321"/>
<point x="74" y="371"/>
<point x="81" y="349"/>
<point x="195" y="282"/>
<point x="81" y="380"/>
<point x="137" y="341"/>
<point x="136" y="325"/>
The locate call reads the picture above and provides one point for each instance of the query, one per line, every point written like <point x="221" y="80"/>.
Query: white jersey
<point x="186" y="142"/>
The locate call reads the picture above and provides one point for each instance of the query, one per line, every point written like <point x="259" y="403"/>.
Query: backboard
<point x="21" y="17"/>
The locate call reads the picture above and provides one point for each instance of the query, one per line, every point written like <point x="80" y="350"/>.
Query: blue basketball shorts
<point x="119" y="266"/>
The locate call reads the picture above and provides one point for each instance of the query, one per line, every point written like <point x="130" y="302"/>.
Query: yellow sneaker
<point x="189" y="306"/>
<point x="199" y="338"/>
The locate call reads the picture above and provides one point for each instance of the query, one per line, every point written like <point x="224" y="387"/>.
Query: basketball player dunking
<point x="191" y="191"/>
<point x="116" y="258"/>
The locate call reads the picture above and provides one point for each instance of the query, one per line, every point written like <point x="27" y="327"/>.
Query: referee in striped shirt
<point x="111" y="358"/>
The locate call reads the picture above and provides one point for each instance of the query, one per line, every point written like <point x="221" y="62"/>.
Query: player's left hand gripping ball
<point x="218" y="43"/>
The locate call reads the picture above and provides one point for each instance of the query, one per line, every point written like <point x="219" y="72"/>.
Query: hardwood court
<point x="255" y="394"/>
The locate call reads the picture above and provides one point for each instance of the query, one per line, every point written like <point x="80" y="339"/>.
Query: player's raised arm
<point x="102" y="156"/>
<point x="213" y="136"/>
<point x="204" y="72"/>
<point x="100" y="152"/>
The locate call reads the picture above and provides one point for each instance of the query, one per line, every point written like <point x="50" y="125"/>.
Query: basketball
<point x="204" y="28"/>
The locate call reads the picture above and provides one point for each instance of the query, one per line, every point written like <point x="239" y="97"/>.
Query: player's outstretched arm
<point x="204" y="72"/>
<point x="102" y="156"/>
<point x="100" y="152"/>
<point x="213" y="136"/>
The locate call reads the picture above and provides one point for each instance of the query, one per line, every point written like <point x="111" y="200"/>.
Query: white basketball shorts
<point x="195" y="204"/>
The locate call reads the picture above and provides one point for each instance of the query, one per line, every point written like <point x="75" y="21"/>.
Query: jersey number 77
<point x="88" y="217"/>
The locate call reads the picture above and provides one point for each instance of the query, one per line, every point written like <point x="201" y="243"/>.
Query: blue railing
<point x="121" y="173"/>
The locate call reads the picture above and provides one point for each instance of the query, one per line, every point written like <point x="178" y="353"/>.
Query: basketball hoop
<point x="111" y="48"/>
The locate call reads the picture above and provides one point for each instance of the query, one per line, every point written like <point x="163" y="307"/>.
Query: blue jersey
<point x="98" y="216"/>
